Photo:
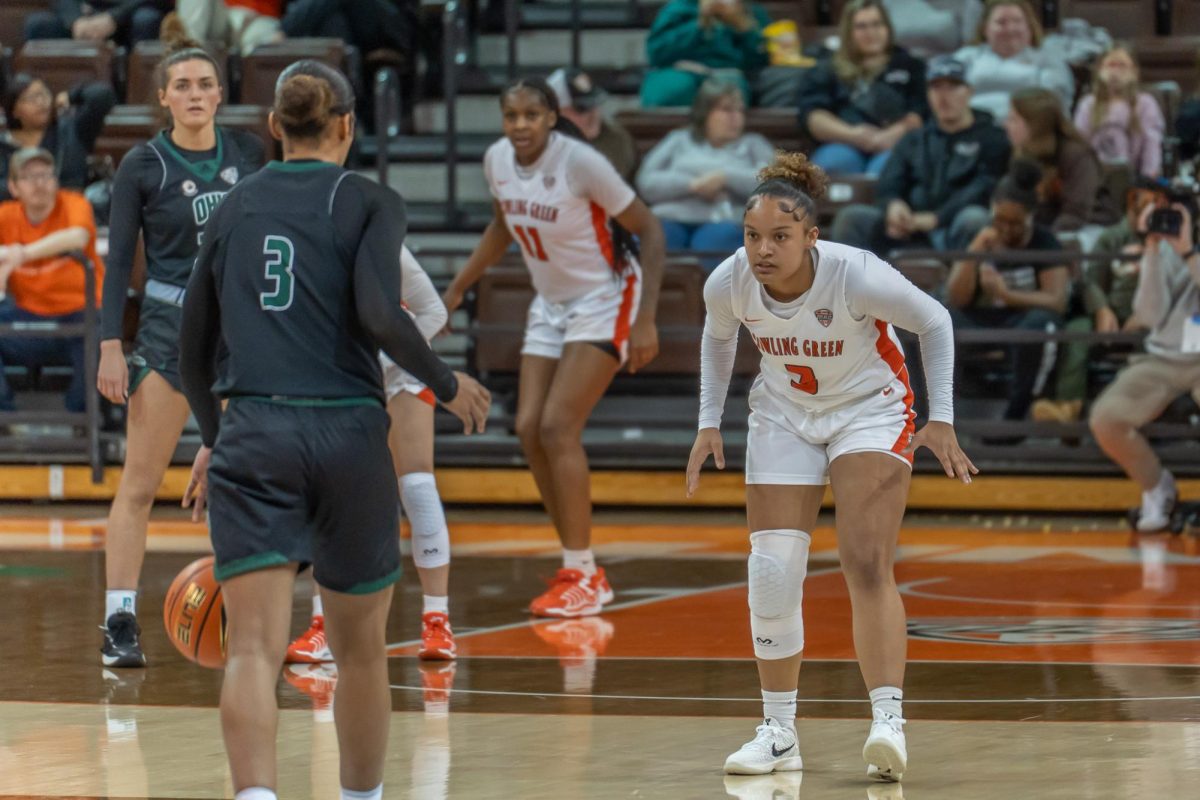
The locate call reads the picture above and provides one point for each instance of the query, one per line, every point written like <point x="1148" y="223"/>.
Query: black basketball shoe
<point x="121" y="645"/>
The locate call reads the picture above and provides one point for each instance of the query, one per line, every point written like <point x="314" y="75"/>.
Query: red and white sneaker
<point x="437" y="640"/>
<point x="311" y="647"/>
<point x="576" y="639"/>
<point x="573" y="594"/>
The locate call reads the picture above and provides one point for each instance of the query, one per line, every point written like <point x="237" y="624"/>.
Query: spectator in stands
<point x="1123" y="125"/>
<point x="1105" y="299"/>
<point x="697" y="179"/>
<point x="1072" y="194"/>
<point x="692" y="40"/>
<point x="67" y="126"/>
<point x="241" y="25"/>
<point x="934" y="27"/>
<point x="582" y="102"/>
<point x="37" y="230"/>
<point x="1012" y="294"/>
<point x="1168" y="300"/>
<point x="369" y="25"/>
<point x="1008" y="56"/>
<point x="126" y="22"/>
<point x="935" y="189"/>
<point x="860" y="100"/>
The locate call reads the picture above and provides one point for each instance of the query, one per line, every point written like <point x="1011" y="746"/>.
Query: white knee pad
<point x="778" y="565"/>
<point x="423" y="507"/>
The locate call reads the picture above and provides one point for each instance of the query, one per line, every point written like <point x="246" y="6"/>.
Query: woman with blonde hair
<point x="1123" y="124"/>
<point x="1008" y="55"/>
<point x="859" y="102"/>
<point x="1071" y="194"/>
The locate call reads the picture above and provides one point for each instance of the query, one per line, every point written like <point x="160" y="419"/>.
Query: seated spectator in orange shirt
<point x="43" y="284"/>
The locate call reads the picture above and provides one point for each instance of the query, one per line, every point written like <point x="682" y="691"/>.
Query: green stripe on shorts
<point x="378" y="585"/>
<point x="240" y="566"/>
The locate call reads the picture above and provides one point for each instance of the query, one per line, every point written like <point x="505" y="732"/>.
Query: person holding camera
<point x="1168" y="301"/>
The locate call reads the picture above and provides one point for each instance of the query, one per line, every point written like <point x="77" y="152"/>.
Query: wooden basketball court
<point x="1049" y="658"/>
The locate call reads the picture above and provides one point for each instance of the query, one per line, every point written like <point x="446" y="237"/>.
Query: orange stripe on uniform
<point x="603" y="235"/>
<point x="892" y="356"/>
<point x="427" y="395"/>
<point x="621" y="328"/>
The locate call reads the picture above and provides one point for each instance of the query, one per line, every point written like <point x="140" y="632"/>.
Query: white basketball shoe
<point x="773" y="748"/>
<point x="885" y="752"/>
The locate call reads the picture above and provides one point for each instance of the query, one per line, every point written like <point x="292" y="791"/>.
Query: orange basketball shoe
<point x="437" y="681"/>
<point x="576" y="639"/>
<point x="573" y="594"/>
<point x="437" y="640"/>
<point x="311" y="647"/>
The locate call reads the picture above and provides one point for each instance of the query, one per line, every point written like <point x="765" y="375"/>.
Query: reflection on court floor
<point x="1044" y="664"/>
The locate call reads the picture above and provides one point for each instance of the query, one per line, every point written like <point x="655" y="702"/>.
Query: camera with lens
<point x="1182" y="190"/>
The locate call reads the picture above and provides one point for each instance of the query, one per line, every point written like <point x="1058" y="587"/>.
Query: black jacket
<point x="121" y="10"/>
<point x="898" y="90"/>
<point x="935" y="171"/>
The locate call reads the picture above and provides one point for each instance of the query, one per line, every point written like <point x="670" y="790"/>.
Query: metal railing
<point x="455" y="54"/>
<point x="89" y="418"/>
<point x="387" y="117"/>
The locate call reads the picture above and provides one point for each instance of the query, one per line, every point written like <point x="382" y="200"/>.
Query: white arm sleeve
<point x="420" y="296"/>
<point x="590" y="175"/>
<point x="876" y="289"/>
<point x="718" y="346"/>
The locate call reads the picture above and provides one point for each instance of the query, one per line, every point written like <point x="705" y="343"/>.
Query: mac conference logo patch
<point x="824" y="316"/>
<point x="1054" y="630"/>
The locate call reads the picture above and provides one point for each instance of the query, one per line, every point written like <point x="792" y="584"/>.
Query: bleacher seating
<point x="12" y="20"/>
<point x="63" y="63"/>
<point x="128" y="125"/>
<point x="1124" y="18"/>
<point x="139" y="85"/>
<point x="259" y="69"/>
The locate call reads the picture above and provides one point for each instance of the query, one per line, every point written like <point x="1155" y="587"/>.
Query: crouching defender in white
<point x="831" y="404"/>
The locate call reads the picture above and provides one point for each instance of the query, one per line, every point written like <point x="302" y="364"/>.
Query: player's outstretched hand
<point x="940" y="438"/>
<point x="708" y="442"/>
<point x="643" y="344"/>
<point x="471" y="404"/>
<point x="196" y="494"/>
<point x="112" y="377"/>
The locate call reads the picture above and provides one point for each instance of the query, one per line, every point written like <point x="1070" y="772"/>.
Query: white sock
<point x="780" y="706"/>
<point x="887" y="699"/>
<point x="256" y="793"/>
<point x="373" y="794"/>
<point x="318" y="609"/>
<point x="582" y="560"/>
<point x="432" y="603"/>
<point x="119" y="600"/>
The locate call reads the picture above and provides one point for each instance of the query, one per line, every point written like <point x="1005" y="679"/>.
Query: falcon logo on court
<point x="1054" y="630"/>
<point x="189" y="188"/>
<point x="548" y="181"/>
<point x="229" y="174"/>
<point x="824" y="316"/>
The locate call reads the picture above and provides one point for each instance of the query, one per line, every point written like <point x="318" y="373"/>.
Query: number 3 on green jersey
<point x="281" y="255"/>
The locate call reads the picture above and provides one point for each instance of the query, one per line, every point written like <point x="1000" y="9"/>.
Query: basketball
<point x="194" y="614"/>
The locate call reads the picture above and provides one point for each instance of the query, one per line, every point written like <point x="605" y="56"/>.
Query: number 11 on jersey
<point x="532" y="242"/>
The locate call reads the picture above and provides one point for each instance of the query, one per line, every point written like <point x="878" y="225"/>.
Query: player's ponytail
<point x="179" y="47"/>
<point x="793" y="179"/>
<point x="309" y="95"/>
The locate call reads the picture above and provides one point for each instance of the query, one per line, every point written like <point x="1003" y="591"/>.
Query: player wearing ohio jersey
<point x="831" y="404"/>
<point x="299" y="280"/>
<point x="165" y="190"/>
<point x="571" y="214"/>
<point x="410" y="437"/>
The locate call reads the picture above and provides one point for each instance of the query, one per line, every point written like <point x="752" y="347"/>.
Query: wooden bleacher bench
<point x="129" y="125"/>
<point x="648" y="126"/>
<point x="261" y="67"/>
<point x="12" y="20"/>
<point x="63" y="63"/>
<point x="1169" y="58"/>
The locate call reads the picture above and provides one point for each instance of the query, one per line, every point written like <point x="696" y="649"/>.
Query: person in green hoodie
<point x="692" y="40"/>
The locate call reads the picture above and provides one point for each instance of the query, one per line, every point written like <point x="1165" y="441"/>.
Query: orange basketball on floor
<point x="194" y="614"/>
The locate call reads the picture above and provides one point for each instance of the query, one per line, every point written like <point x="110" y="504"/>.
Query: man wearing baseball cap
<point x="580" y="100"/>
<point x="937" y="185"/>
<point x="37" y="230"/>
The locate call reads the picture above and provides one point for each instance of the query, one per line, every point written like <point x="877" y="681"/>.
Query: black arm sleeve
<point x="125" y="222"/>
<point x="199" y="335"/>
<point x="377" y="287"/>
<point x="92" y="102"/>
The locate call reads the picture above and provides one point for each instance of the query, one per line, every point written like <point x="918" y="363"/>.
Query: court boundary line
<point x="743" y="659"/>
<point x="907" y="590"/>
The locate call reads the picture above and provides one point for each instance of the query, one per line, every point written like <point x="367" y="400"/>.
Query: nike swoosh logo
<point x="778" y="753"/>
<point x="887" y="391"/>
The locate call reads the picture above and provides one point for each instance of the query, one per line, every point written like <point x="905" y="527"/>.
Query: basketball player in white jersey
<point x="410" y="406"/>
<point x="557" y="197"/>
<point x="831" y="404"/>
